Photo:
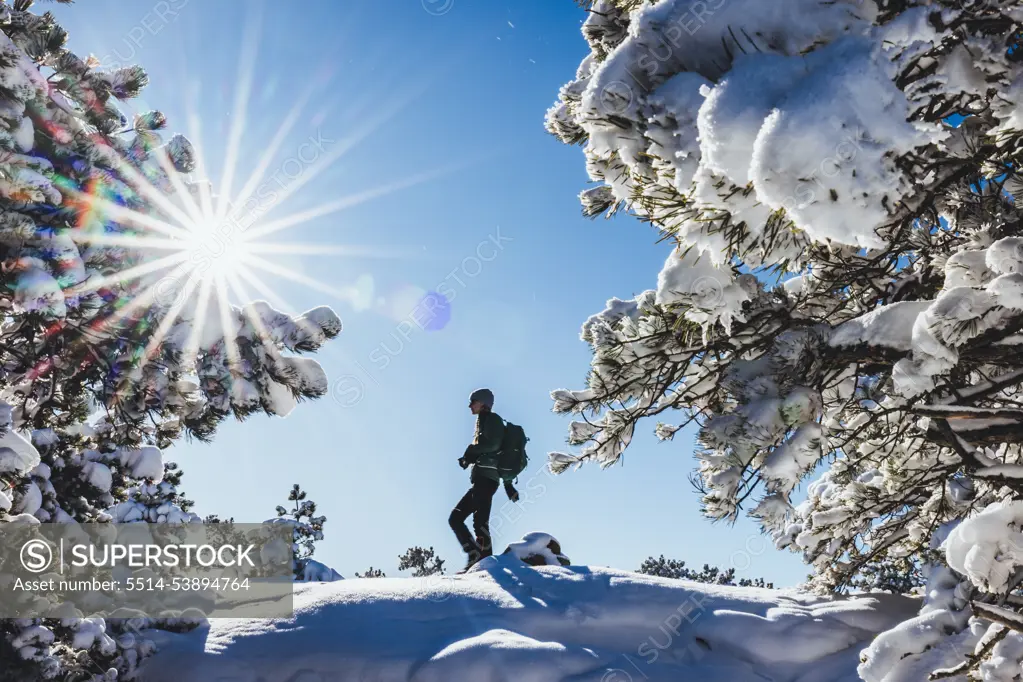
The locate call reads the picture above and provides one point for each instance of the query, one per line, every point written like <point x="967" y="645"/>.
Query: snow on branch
<point x="841" y="310"/>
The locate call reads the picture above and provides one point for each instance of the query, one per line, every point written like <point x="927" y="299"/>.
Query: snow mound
<point x="512" y="621"/>
<point x="315" y="572"/>
<point x="535" y="549"/>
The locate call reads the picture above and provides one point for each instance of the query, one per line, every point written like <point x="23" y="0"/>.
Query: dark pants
<point x="476" y="502"/>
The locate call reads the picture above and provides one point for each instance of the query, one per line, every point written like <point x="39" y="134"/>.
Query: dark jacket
<point x="485" y="448"/>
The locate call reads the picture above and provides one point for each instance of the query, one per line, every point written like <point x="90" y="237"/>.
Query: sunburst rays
<point x="200" y="248"/>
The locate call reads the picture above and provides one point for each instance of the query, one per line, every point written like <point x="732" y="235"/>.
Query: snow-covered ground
<point x="509" y="621"/>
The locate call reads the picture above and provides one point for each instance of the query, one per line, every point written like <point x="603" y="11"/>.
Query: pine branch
<point x="972" y="660"/>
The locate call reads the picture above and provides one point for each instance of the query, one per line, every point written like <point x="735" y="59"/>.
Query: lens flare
<point x="436" y="311"/>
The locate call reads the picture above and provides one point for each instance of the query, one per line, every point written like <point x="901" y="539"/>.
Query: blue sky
<point x="442" y="100"/>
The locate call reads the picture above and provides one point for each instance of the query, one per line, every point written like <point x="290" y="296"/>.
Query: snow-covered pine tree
<point x="97" y="375"/>
<point x="307" y="530"/>
<point x="845" y="299"/>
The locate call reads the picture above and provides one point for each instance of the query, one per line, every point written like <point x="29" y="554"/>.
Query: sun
<point x="215" y="252"/>
<point x="206" y="253"/>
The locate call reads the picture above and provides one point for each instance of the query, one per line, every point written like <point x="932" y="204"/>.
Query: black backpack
<point x="513" y="459"/>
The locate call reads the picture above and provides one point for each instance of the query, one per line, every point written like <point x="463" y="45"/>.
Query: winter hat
<point x="482" y="395"/>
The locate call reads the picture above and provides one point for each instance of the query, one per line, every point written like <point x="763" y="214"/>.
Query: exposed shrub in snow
<point x="423" y="562"/>
<point x="712" y="575"/>
<point x="371" y="573"/>
<point x="844" y="301"/>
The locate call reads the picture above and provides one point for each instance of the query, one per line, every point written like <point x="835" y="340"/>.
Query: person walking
<point x="483" y="455"/>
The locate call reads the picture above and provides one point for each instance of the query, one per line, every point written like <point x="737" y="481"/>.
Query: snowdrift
<point x="511" y="621"/>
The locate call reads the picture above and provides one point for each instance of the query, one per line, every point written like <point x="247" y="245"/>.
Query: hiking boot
<point x="475" y="556"/>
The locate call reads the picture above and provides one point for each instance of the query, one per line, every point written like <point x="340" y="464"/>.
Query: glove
<point x="462" y="462"/>
<point x="511" y="492"/>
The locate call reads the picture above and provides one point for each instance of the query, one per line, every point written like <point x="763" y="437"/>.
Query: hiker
<point x="483" y="455"/>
